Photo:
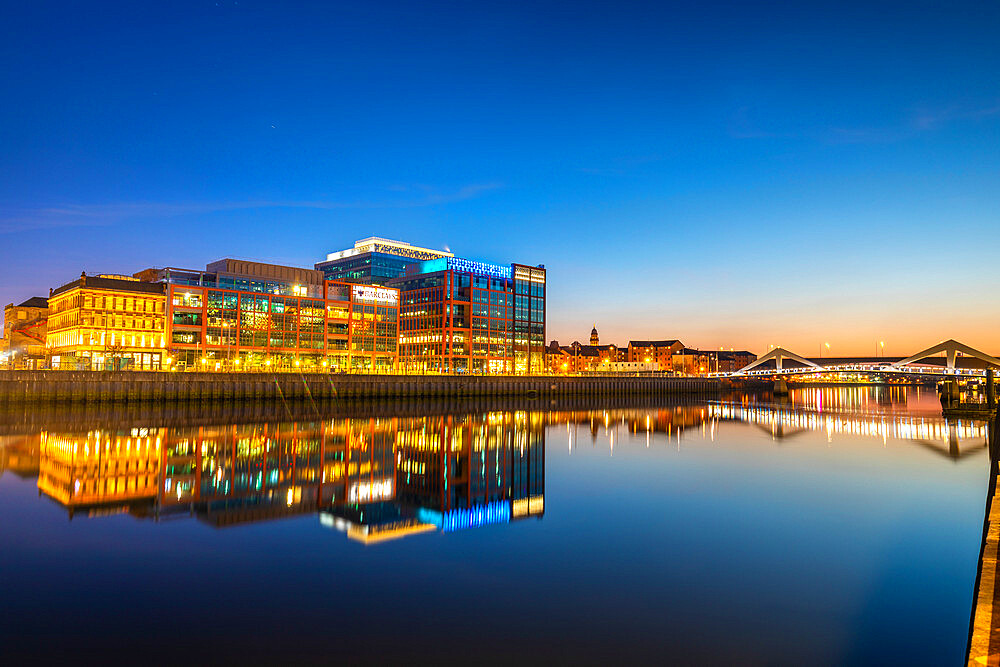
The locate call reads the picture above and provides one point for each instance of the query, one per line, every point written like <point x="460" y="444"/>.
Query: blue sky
<point x="734" y="175"/>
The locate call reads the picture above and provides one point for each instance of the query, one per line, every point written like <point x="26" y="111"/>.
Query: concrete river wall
<point x="138" y="386"/>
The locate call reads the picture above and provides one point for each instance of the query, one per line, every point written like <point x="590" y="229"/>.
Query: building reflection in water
<point x="379" y="478"/>
<point x="374" y="478"/>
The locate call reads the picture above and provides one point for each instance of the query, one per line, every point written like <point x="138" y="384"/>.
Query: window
<point x="338" y="293"/>
<point x="188" y="319"/>
<point x="184" y="337"/>
<point x="336" y="311"/>
<point x="187" y="299"/>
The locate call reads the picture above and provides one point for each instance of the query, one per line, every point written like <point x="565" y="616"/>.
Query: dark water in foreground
<point x="842" y="527"/>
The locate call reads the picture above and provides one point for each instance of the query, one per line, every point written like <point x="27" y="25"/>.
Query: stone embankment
<point x="153" y="387"/>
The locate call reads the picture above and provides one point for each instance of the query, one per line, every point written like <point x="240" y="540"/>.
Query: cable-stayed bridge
<point x="946" y="359"/>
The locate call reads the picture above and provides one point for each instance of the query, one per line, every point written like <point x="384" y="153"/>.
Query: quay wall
<point x="156" y="387"/>
<point x="29" y="418"/>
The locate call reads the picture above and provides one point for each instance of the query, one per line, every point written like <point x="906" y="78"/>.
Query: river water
<point x="840" y="526"/>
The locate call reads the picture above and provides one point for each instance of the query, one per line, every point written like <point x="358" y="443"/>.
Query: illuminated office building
<point x="462" y="316"/>
<point x="457" y="315"/>
<point x="375" y="261"/>
<point x="412" y="309"/>
<point x="247" y="315"/>
<point x="105" y="323"/>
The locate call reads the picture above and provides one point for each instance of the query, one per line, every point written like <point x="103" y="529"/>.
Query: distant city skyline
<point x="734" y="177"/>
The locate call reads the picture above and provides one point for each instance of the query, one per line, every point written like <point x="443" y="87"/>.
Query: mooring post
<point x="991" y="393"/>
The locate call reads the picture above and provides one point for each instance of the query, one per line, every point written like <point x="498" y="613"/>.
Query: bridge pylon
<point x="778" y="354"/>
<point x="951" y="348"/>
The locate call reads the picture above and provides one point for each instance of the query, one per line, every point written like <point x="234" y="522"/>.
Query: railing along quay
<point x="153" y="386"/>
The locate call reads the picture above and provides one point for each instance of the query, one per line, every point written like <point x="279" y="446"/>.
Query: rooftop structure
<point x="34" y="302"/>
<point x="375" y="260"/>
<point x="238" y="274"/>
<point x="390" y="247"/>
<point x="102" y="282"/>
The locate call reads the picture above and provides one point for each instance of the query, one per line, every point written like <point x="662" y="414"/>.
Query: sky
<point x="734" y="175"/>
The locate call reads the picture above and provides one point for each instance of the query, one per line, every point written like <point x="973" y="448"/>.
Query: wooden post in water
<point x="991" y="393"/>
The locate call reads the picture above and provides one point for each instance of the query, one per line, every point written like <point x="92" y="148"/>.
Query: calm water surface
<point x="838" y="527"/>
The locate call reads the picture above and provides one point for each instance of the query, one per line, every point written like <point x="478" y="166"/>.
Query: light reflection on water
<point x="837" y="525"/>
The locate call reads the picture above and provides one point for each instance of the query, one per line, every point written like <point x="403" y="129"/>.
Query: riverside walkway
<point x="984" y="625"/>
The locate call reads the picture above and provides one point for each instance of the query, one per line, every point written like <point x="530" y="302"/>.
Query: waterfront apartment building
<point x="653" y="351"/>
<point x="578" y="358"/>
<point x="375" y="261"/>
<point x="24" y="330"/>
<point x="106" y="323"/>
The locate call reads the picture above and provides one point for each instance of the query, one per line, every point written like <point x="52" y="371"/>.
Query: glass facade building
<point x="462" y="316"/>
<point x="348" y="328"/>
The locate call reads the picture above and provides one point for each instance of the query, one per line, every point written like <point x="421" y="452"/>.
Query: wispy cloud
<point x="918" y="122"/>
<point x="929" y="119"/>
<point x="98" y="215"/>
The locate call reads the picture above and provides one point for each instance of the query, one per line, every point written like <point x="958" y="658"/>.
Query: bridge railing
<point x="859" y="368"/>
